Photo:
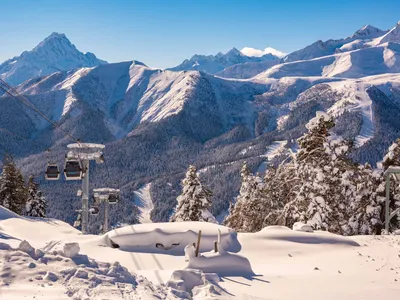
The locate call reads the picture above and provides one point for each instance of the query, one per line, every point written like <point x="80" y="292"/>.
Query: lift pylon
<point x="84" y="153"/>
<point x="107" y="196"/>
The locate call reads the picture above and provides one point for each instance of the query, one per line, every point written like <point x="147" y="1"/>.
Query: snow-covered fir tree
<point x="36" y="205"/>
<point x="12" y="187"/>
<point x="272" y="195"/>
<point x="250" y="208"/>
<point x="194" y="203"/>
<point x="391" y="159"/>
<point x="334" y="194"/>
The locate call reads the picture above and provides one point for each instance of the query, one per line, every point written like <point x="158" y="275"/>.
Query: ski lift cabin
<point x="113" y="198"/>
<point x="94" y="211"/>
<point x="52" y="172"/>
<point x="73" y="170"/>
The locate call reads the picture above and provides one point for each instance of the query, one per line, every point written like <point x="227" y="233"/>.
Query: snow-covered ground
<point x="144" y="203"/>
<point x="275" y="263"/>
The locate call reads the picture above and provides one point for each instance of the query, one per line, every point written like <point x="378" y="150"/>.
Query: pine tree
<point x="273" y="202"/>
<point x="194" y="203"/>
<point x="12" y="187"/>
<point x="250" y="209"/>
<point x="36" y="204"/>
<point x="333" y="194"/>
<point x="391" y="159"/>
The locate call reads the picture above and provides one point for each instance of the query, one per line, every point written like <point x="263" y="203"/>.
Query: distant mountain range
<point x="213" y="64"/>
<point x="156" y="122"/>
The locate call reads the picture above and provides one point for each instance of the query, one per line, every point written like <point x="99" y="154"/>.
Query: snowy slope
<point x="393" y="36"/>
<point x="55" y="53"/>
<point x="248" y="69"/>
<point x="144" y="203"/>
<point x="352" y="64"/>
<point x="284" y="264"/>
<point x="355" y="99"/>
<point x="275" y="149"/>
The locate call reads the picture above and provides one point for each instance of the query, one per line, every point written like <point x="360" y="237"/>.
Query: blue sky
<point x="162" y="33"/>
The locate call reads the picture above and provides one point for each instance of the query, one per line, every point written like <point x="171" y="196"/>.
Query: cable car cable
<point x="30" y="105"/>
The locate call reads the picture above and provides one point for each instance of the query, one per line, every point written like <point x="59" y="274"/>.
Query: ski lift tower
<point x="84" y="153"/>
<point x="107" y="196"/>
<point x="388" y="216"/>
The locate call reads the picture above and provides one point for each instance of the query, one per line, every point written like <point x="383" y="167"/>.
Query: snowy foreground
<point x="150" y="263"/>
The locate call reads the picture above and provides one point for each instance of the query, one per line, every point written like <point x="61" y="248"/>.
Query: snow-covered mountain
<point x="156" y="122"/>
<point x="392" y="36"/>
<point x="120" y="96"/>
<point x="320" y="48"/>
<point x="213" y="64"/>
<point x="55" y="53"/>
<point x="380" y="59"/>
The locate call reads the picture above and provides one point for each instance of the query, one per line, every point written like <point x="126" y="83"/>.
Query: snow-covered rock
<point x="71" y="249"/>
<point x="299" y="226"/>
<point x="27" y="248"/>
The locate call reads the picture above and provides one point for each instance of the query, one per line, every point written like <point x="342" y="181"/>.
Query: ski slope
<point x="144" y="203"/>
<point x="355" y="99"/>
<point x="275" y="263"/>
<point x="275" y="149"/>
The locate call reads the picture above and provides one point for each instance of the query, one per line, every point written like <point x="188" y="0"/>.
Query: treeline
<point x="18" y="196"/>
<point x="320" y="186"/>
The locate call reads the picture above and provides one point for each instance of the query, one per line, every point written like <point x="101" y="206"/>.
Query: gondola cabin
<point x="73" y="170"/>
<point x="94" y="211"/>
<point x="113" y="198"/>
<point x="52" y="172"/>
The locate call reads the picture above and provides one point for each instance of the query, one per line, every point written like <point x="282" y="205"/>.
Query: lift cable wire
<point x="5" y="87"/>
<point x="13" y="93"/>
<point x="19" y="136"/>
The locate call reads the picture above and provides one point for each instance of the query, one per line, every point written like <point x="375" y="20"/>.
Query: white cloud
<point x="257" y="53"/>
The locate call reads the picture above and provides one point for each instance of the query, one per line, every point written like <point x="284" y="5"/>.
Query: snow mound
<point x="184" y="283"/>
<point x="7" y="214"/>
<point x="170" y="238"/>
<point x="282" y="233"/>
<point x="299" y="226"/>
<point x="224" y="264"/>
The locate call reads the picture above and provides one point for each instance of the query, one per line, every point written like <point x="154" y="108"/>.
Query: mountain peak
<point x="55" y="40"/>
<point x="56" y="35"/>
<point x="234" y="51"/>
<point x="368" y="31"/>
<point x="54" y="53"/>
